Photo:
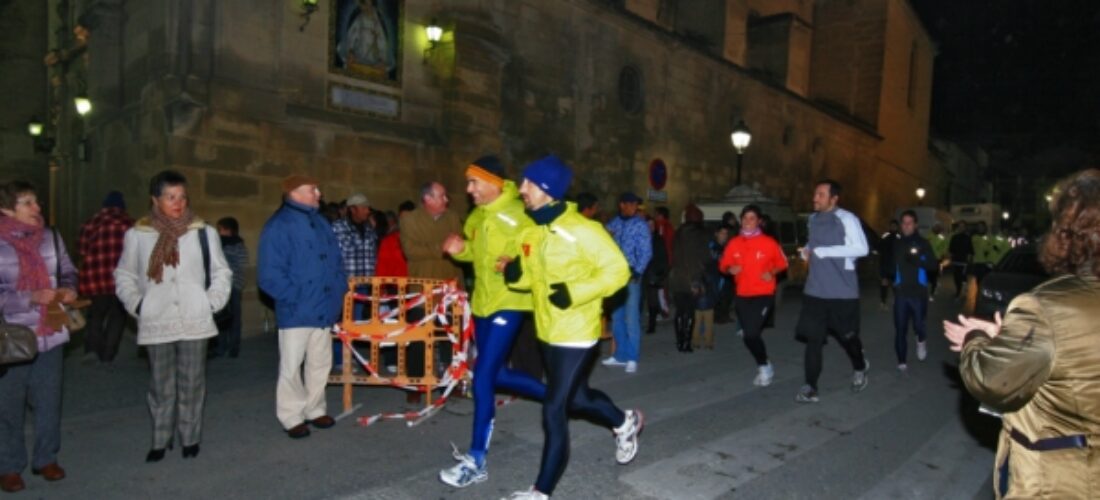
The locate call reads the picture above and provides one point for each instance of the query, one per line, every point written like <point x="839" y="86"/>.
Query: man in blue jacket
<point x="631" y="233"/>
<point x="301" y="267"/>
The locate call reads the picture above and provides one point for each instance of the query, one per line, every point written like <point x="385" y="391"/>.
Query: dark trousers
<point x="933" y="281"/>
<point x="567" y="391"/>
<point x="526" y="356"/>
<point x="724" y="302"/>
<point x="906" y="310"/>
<point x="753" y="313"/>
<point x="36" y="384"/>
<point x="836" y="317"/>
<point x="102" y="334"/>
<point x="684" y="320"/>
<point x="229" y="330"/>
<point x="958" y="270"/>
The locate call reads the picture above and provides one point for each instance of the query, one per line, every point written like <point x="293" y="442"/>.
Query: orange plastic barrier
<point x="424" y="321"/>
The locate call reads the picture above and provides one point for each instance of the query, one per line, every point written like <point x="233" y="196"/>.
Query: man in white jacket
<point x="831" y="295"/>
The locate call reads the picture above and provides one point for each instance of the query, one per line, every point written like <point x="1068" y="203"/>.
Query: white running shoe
<point x="922" y="350"/>
<point x="626" y="436"/>
<point x="465" y="472"/>
<point x="611" y="361"/>
<point x="902" y="367"/>
<point x="528" y="494"/>
<point x="764" y="375"/>
<point x="631" y="366"/>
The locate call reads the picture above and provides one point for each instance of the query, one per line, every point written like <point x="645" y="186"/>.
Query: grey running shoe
<point x="859" y="378"/>
<point x="806" y="394"/>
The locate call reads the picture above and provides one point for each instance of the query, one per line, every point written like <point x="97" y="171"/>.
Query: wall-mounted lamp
<point x="83" y="104"/>
<point x="34" y="127"/>
<point x="308" y="8"/>
<point x="434" y="32"/>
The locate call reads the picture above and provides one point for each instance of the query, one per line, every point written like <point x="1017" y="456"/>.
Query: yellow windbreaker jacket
<point x="491" y="231"/>
<point x="580" y="253"/>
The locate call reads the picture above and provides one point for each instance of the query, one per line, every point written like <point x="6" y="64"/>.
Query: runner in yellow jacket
<point x="569" y="264"/>
<point x="490" y="231"/>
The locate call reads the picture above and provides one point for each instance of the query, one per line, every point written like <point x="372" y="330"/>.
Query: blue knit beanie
<point x="114" y="199"/>
<point x="550" y="174"/>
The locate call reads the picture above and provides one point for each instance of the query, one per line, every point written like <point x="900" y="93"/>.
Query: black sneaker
<point x="806" y="394"/>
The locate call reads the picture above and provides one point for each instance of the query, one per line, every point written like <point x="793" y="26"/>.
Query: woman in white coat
<point x="162" y="280"/>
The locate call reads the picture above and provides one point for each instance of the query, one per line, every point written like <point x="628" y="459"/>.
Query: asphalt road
<point x="709" y="432"/>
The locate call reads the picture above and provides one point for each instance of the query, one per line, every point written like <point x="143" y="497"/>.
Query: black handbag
<point x="18" y="344"/>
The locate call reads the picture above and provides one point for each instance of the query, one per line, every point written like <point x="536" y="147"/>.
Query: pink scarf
<point x="33" y="275"/>
<point x="750" y="234"/>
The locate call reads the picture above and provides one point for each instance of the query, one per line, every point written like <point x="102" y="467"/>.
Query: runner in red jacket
<point x="754" y="259"/>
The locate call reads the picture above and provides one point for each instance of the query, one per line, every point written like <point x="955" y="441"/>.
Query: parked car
<point x="1017" y="272"/>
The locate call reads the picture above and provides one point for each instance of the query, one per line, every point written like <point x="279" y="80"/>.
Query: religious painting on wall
<point x="366" y="40"/>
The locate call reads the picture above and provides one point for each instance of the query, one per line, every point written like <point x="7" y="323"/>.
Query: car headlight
<point x="993" y="295"/>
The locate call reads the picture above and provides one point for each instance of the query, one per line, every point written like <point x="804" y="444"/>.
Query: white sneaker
<point x="626" y="436"/>
<point x="529" y="494"/>
<point x="922" y="350"/>
<point x="611" y="361"/>
<point x="465" y="472"/>
<point x="859" y="378"/>
<point x="631" y="366"/>
<point x="764" y="376"/>
<point x="902" y="367"/>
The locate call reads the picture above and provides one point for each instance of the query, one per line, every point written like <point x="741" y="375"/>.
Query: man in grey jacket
<point x="831" y="294"/>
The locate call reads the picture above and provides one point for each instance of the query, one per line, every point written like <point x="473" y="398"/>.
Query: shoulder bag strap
<point x="56" y="254"/>
<point x="205" y="245"/>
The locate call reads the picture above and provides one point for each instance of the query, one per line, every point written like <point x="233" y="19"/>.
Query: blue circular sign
<point x="658" y="174"/>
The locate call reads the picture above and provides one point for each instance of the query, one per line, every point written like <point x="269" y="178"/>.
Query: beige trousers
<point x="305" y="360"/>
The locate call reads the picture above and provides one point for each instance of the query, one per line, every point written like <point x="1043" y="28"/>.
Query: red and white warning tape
<point x="455" y="372"/>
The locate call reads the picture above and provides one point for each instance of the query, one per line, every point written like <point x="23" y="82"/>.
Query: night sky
<point x="1019" y="77"/>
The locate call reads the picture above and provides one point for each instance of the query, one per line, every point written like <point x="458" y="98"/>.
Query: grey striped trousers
<point x="178" y="391"/>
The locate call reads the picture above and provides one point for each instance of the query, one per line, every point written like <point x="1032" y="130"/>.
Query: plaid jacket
<point x="360" y="250"/>
<point x="100" y="247"/>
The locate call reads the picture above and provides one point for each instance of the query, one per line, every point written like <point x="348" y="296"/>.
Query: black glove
<point x="512" y="271"/>
<point x="560" y="298"/>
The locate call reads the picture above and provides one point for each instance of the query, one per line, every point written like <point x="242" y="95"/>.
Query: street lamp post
<point x="920" y="196"/>
<point x="740" y="138"/>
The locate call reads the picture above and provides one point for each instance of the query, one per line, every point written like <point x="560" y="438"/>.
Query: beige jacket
<point x="1043" y="372"/>
<point x="422" y="240"/>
